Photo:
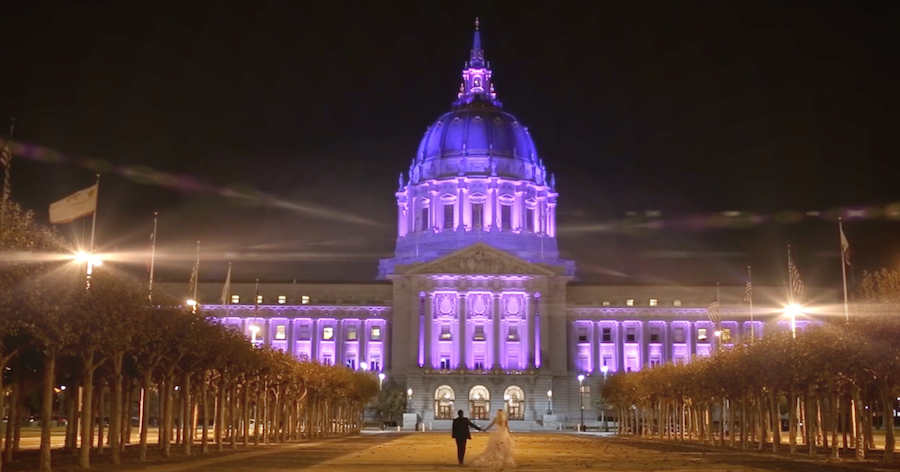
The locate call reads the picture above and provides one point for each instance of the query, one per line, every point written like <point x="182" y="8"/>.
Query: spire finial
<point x="476" y="23"/>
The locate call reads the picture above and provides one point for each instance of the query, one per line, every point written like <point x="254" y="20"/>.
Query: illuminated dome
<point x="477" y="138"/>
<point x="476" y="178"/>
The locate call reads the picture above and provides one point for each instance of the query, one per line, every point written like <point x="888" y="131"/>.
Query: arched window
<point x="514" y="399"/>
<point x="443" y="403"/>
<point x="479" y="403"/>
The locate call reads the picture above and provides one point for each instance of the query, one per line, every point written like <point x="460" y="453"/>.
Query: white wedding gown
<point x="498" y="454"/>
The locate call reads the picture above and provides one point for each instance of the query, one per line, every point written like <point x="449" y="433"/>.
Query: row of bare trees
<point x="829" y="380"/>
<point x="108" y="356"/>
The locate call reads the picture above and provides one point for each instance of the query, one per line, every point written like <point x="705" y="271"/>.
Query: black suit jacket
<point x="461" y="428"/>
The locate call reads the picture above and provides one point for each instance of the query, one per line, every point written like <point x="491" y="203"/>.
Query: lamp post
<point x="792" y="310"/>
<point x="381" y="377"/>
<point x="549" y="402"/>
<point x="581" y="398"/>
<point x="409" y="400"/>
<point x="253" y="331"/>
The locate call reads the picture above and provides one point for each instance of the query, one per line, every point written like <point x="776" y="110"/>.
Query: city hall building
<point x="476" y="310"/>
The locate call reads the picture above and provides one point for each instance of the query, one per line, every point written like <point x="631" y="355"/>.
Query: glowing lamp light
<point x="506" y="398"/>
<point x="409" y="392"/>
<point x="381" y="376"/>
<point x="718" y="333"/>
<point x="253" y="331"/>
<point x="62" y="387"/>
<point x="364" y="366"/>
<point x="446" y="396"/>
<point x="581" y="377"/>
<point x="478" y="396"/>
<point x="191" y="303"/>
<point x="604" y="369"/>
<point x="549" y="393"/>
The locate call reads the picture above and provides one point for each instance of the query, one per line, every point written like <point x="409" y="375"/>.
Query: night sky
<point x="275" y="132"/>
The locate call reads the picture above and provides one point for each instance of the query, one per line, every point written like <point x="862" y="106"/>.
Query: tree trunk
<point x="13" y="415"/>
<point x="87" y="410"/>
<point x="887" y="409"/>
<point x="72" y="414"/>
<point x="126" y="413"/>
<point x="835" y="419"/>
<point x="186" y="420"/>
<point x="811" y="426"/>
<point x="169" y="414"/>
<point x="220" y="416"/>
<point x="245" y="412"/>
<point x="145" y="414"/>
<point x="100" y="421"/>
<point x="858" y="410"/>
<point x="792" y="420"/>
<point x="115" y="418"/>
<point x="232" y="401"/>
<point x="204" y="405"/>
<point x="49" y="381"/>
<point x="745" y="430"/>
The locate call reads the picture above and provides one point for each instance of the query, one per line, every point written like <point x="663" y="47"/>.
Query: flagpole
<point x="196" y="277"/>
<point x="844" y="269"/>
<point x="791" y="292"/>
<point x="90" y="264"/>
<point x="153" y="253"/>
<point x="752" y="324"/>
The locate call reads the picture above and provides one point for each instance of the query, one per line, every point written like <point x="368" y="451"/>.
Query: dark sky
<point x="313" y="108"/>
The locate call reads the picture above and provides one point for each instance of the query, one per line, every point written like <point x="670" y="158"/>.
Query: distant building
<point x="476" y="310"/>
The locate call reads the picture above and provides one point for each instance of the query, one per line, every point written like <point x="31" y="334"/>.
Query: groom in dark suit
<point x="461" y="427"/>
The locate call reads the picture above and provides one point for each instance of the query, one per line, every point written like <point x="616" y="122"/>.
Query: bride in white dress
<point x="499" y="451"/>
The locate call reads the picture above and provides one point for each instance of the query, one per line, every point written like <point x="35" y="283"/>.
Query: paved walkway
<point x="559" y="452"/>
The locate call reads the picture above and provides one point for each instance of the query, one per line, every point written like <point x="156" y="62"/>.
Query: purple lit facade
<point x="476" y="310"/>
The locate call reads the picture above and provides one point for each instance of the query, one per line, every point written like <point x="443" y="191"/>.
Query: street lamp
<point x="253" y="330"/>
<point x="604" y="370"/>
<point x="409" y="400"/>
<point x="581" y="397"/>
<point x="793" y="310"/>
<point x="380" y="379"/>
<point x="549" y="402"/>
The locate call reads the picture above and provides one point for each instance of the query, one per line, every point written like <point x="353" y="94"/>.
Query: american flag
<point x="5" y="161"/>
<point x="714" y="312"/>
<point x="794" y="276"/>
<point x="845" y="248"/>
<point x="748" y="292"/>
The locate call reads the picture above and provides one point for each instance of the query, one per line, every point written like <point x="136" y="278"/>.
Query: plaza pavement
<point x="558" y="452"/>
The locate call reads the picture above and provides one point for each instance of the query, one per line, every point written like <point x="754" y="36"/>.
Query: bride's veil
<point x="501" y="415"/>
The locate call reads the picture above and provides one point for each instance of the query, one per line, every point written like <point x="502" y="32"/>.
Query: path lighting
<point x="604" y="370"/>
<point x="549" y="402"/>
<point x="581" y="397"/>
<point x="381" y="377"/>
<point x="409" y="400"/>
<point x="191" y="303"/>
<point x="253" y="331"/>
<point x="792" y="311"/>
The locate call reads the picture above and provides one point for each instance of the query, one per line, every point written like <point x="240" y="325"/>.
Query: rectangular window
<point x="726" y="335"/>
<point x="629" y="335"/>
<point x="445" y="333"/>
<point x="280" y="332"/>
<point x="654" y="302"/>
<point x="477" y="215"/>
<point x="676" y="303"/>
<point x="701" y="335"/>
<point x="607" y="335"/>
<point x="505" y="216"/>
<point x="326" y="359"/>
<point x="629" y="302"/>
<point x="479" y="333"/>
<point x="605" y="303"/>
<point x="445" y="363"/>
<point x="351" y="333"/>
<point x="259" y="299"/>
<point x="513" y="333"/>
<point x="282" y="299"/>
<point x="376" y="333"/>
<point x="654" y="334"/>
<point x="351" y="364"/>
<point x="678" y="336"/>
<point x="423" y="219"/>
<point x="479" y="363"/>
<point x="235" y="299"/>
<point x="448" y="216"/>
<point x="374" y="364"/>
<point x="304" y="332"/>
<point x="582" y="335"/>
<point x="327" y="333"/>
<point x="304" y="300"/>
<point x="654" y="361"/>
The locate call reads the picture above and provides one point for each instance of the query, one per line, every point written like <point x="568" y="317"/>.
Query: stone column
<point x="338" y="341"/>
<point x="429" y="321"/>
<point x="691" y="339"/>
<point x="462" y="337"/>
<point x="496" y="334"/>
<point x="362" y="340"/>
<point x="530" y="319"/>
<point x="620" y="346"/>
<point x="402" y="223"/>
<point x="385" y="344"/>
<point x="544" y="333"/>
<point x="595" y="346"/>
<point x="414" y="339"/>
<point x="291" y="342"/>
<point x="267" y="339"/>
<point x="314" y="339"/>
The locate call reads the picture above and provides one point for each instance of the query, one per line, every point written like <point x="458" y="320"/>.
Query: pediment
<point x="480" y="258"/>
